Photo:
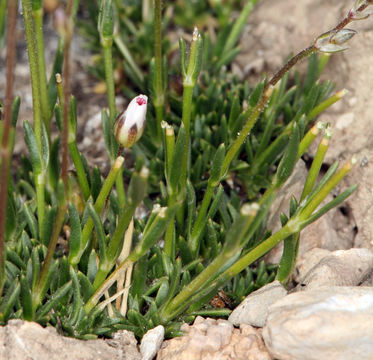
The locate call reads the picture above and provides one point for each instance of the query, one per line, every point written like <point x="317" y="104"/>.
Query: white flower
<point x="130" y="124"/>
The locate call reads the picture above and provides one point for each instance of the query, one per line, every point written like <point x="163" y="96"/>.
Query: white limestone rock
<point x="254" y="309"/>
<point x="325" y="323"/>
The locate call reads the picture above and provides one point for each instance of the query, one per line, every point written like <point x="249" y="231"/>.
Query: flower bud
<point x="130" y="123"/>
<point x="332" y="41"/>
<point x="357" y="12"/>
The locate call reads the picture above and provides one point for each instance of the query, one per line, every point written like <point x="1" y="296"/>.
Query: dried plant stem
<point x="124" y="281"/>
<point x="5" y="149"/>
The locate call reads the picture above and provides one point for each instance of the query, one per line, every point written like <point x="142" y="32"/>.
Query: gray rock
<point x="340" y="268"/>
<point x="209" y="339"/>
<point x="151" y="342"/>
<point x="22" y="340"/>
<point x="326" y="323"/>
<point x="254" y="309"/>
<point x="307" y="261"/>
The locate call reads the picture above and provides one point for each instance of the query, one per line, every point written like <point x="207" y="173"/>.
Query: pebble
<point x="325" y="323"/>
<point x="151" y="342"/>
<point x="254" y="309"/>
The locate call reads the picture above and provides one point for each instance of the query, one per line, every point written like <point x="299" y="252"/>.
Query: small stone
<point x="253" y="310"/>
<point x="325" y="323"/>
<point x="151" y="342"/>
<point x="340" y="268"/>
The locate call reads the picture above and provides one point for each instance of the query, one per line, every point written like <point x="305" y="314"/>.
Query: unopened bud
<point x="130" y="124"/>
<point x="332" y="41"/>
<point x="358" y="11"/>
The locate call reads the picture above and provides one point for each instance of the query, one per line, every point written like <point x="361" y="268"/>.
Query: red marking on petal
<point x="141" y="101"/>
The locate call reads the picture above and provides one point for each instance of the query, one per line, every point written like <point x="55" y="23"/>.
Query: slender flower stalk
<point x="36" y="97"/>
<point x="106" y="30"/>
<point x="66" y="94"/>
<point x="159" y="96"/>
<point x="38" y="12"/>
<point x="5" y="146"/>
<point x="190" y="72"/>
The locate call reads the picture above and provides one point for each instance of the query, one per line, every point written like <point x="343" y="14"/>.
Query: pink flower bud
<point x="130" y="123"/>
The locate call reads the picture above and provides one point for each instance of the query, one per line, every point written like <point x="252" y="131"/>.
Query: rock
<point x="307" y="261"/>
<point x="151" y="343"/>
<point x="209" y="339"/>
<point x="22" y="340"/>
<point x="254" y="309"/>
<point x="326" y="323"/>
<point x="340" y="268"/>
<point x="333" y="231"/>
<point x="126" y="344"/>
<point x="361" y="200"/>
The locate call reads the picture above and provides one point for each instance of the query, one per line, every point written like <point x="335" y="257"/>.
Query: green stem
<point x="34" y="72"/>
<point x="326" y="189"/>
<point x="37" y="293"/>
<point x="114" y="246"/>
<point x="82" y="178"/>
<point x="159" y="97"/>
<point x="254" y="114"/>
<point x="169" y="243"/>
<point x="109" y="77"/>
<point x="99" y="204"/>
<point x="315" y="167"/>
<point x="187" y="111"/>
<point x="193" y="287"/>
<point x="45" y="108"/>
<point x="201" y="218"/>
<point x="35" y="86"/>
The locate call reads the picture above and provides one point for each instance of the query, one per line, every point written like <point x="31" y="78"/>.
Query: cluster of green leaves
<point x="197" y="234"/>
